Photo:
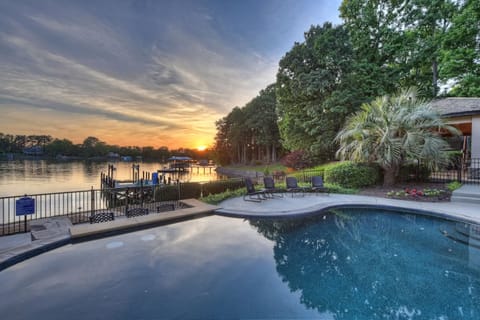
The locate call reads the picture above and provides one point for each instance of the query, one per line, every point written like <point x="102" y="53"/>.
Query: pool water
<point x="348" y="264"/>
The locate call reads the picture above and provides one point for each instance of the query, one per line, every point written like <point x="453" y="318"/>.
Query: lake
<point x="21" y="177"/>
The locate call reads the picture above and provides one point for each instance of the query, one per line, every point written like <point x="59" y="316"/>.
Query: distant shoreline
<point x="21" y="156"/>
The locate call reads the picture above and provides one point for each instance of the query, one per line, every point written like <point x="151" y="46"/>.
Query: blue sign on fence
<point x="24" y="206"/>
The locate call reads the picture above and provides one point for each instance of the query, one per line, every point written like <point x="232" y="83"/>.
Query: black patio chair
<point x="294" y="188"/>
<point x="270" y="189"/>
<point x="252" y="194"/>
<point x="318" y="186"/>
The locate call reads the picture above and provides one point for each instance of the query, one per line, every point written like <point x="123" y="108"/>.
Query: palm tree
<point x="391" y="131"/>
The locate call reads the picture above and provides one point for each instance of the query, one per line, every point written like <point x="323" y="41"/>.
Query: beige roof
<point x="457" y="106"/>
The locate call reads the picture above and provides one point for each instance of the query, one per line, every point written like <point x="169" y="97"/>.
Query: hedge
<point x="352" y="175"/>
<point x="187" y="190"/>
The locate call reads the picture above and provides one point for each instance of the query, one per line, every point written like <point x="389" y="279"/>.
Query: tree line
<point x="91" y="147"/>
<point x="249" y="132"/>
<point x="381" y="47"/>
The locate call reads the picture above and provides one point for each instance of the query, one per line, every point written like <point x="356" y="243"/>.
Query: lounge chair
<point x="270" y="188"/>
<point x="252" y="194"/>
<point x="317" y="185"/>
<point x="293" y="187"/>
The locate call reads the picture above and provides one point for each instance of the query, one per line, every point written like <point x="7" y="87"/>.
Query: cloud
<point x="170" y="66"/>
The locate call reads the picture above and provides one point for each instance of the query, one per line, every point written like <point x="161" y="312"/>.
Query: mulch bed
<point x="380" y="191"/>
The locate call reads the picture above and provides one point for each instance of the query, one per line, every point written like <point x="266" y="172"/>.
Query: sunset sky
<point x="146" y="73"/>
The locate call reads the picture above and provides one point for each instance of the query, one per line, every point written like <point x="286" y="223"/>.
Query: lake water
<point x="21" y="177"/>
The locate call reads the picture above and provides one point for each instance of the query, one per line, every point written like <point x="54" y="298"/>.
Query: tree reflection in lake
<point x="359" y="264"/>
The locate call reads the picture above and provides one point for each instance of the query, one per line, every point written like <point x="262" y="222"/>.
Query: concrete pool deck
<point x="288" y="206"/>
<point x="19" y="247"/>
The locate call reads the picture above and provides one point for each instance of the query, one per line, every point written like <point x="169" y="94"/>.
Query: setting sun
<point x="201" y="148"/>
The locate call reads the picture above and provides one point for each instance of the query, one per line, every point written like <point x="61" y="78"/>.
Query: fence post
<point x="126" y="200"/>
<point x="459" y="169"/>
<point x="92" y="199"/>
<point x="141" y="190"/>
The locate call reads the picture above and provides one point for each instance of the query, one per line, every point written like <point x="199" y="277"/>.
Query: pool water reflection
<point x="351" y="264"/>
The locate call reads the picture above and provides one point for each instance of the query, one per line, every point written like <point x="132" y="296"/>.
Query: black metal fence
<point x="302" y="175"/>
<point x="467" y="172"/>
<point x="80" y="205"/>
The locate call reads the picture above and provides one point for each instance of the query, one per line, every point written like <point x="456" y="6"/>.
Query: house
<point x="113" y="155"/>
<point x="33" y="151"/>
<point x="464" y="114"/>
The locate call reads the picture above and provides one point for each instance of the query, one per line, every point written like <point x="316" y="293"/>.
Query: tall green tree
<point x="374" y="27"/>
<point x="316" y="89"/>
<point x="93" y="147"/>
<point x="250" y="132"/>
<point x="393" y="130"/>
<point x="7" y="143"/>
<point x="222" y="149"/>
<point x="427" y="23"/>
<point x="232" y="137"/>
<point x="61" y="147"/>
<point x="261" y="119"/>
<point x="461" y="55"/>
<point x="408" y="40"/>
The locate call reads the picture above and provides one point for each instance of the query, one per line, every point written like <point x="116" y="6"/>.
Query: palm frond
<point x="391" y="130"/>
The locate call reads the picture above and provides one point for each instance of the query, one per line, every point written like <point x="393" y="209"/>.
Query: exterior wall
<point x="475" y="137"/>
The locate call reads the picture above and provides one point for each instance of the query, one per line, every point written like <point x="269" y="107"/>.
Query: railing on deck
<point x="80" y="205"/>
<point x="74" y="204"/>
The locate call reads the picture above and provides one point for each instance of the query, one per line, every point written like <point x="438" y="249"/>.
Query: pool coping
<point x="10" y="256"/>
<point x="85" y="232"/>
<point x="196" y="209"/>
<point x="465" y="212"/>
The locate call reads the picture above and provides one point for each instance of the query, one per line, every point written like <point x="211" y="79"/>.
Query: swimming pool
<point x="349" y="264"/>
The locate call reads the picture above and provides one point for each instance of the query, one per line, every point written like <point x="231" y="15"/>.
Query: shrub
<point x="166" y="193"/>
<point x="187" y="190"/>
<point x="454" y="185"/>
<point x="221" y="186"/>
<point x="297" y="159"/>
<point x="351" y="175"/>
<point x="219" y="197"/>
<point x="190" y="190"/>
<point x="455" y="159"/>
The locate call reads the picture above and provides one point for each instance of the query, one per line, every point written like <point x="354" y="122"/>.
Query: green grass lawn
<point x="260" y="168"/>
<point x="277" y="167"/>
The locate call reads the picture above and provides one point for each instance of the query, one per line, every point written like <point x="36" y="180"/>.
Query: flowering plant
<point x="417" y="194"/>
